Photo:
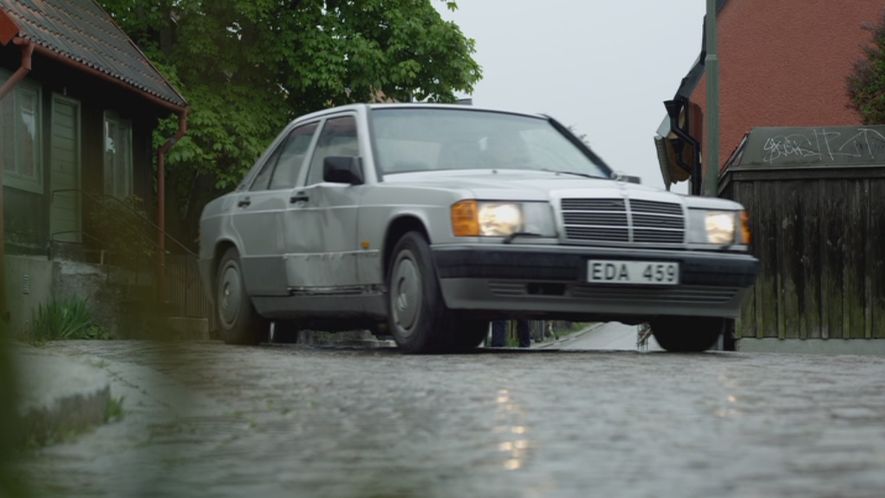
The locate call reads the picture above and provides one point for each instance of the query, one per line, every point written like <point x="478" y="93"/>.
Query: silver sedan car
<point x="426" y="221"/>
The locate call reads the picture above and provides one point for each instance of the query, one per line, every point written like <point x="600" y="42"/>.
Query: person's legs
<point x="499" y="333"/>
<point x="523" y="333"/>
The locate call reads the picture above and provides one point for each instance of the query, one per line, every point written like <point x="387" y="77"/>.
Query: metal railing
<point x="93" y="197"/>
<point x="177" y="278"/>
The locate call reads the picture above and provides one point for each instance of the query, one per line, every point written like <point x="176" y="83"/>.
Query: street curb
<point x="58" y="396"/>
<point x="571" y="337"/>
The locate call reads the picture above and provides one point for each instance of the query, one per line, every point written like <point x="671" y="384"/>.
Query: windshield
<point x="420" y="139"/>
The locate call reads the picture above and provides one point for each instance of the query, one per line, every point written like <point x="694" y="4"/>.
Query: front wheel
<point x="417" y="316"/>
<point x="687" y="334"/>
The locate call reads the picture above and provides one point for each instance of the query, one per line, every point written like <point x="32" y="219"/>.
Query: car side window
<point x="263" y="177"/>
<point x="291" y="158"/>
<point x="338" y="138"/>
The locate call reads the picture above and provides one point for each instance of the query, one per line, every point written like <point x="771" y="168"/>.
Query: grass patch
<point x="114" y="410"/>
<point x="65" y="319"/>
<point x="47" y="434"/>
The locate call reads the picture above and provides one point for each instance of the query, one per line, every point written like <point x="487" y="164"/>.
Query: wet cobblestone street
<point x="204" y="419"/>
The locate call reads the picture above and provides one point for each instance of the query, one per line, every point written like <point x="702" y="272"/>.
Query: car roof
<point x="413" y="105"/>
<point x="459" y="107"/>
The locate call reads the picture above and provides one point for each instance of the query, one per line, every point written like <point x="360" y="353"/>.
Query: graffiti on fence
<point x="826" y="145"/>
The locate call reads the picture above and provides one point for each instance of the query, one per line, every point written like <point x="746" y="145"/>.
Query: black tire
<point x="416" y="314"/>
<point x="687" y="334"/>
<point x="238" y="322"/>
<point x="467" y="335"/>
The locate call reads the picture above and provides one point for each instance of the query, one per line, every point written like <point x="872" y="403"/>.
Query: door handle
<point x="244" y="202"/>
<point x="299" y="197"/>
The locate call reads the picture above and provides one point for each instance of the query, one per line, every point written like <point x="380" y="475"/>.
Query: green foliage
<point x="65" y="320"/>
<point x="249" y="66"/>
<point x="866" y="85"/>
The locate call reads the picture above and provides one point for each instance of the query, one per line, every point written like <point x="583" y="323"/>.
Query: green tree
<point x="866" y="85"/>
<point x="249" y="66"/>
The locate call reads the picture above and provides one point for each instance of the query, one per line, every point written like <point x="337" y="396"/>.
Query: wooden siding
<point x="819" y="234"/>
<point x="27" y="215"/>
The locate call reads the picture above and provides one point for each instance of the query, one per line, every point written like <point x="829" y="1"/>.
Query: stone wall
<point x="35" y="280"/>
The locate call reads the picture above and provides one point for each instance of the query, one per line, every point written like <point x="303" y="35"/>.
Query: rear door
<point x="321" y="232"/>
<point x="258" y="216"/>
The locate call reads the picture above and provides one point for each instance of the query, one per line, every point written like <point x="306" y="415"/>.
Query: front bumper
<point x="544" y="281"/>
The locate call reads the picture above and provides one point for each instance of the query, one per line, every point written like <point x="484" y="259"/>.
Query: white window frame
<point x="121" y="122"/>
<point x="12" y="178"/>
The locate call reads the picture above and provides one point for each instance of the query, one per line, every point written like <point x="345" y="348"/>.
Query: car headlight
<point x="718" y="227"/>
<point x="471" y="218"/>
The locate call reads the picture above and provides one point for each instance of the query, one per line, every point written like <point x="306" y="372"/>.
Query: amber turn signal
<point x="746" y="235"/>
<point x="465" y="219"/>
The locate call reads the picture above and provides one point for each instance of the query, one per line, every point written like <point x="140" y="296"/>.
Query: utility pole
<point x="711" y="114"/>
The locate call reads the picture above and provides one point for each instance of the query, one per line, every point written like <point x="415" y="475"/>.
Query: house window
<point x="21" y="137"/>
<point x="117" y="155"/>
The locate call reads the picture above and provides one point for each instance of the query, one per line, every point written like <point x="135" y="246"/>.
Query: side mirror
<point x="343" y="169"/>
<point x="628" y="178"/>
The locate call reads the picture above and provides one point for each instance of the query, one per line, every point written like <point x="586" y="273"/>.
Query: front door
<point x="258" y="215"/>
<point x="321" y="232"/>
<point x="64" y="171"/>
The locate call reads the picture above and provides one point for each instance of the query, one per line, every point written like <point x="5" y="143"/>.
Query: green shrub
<point x="866" y="84"/>
<point x="65" y="319"/>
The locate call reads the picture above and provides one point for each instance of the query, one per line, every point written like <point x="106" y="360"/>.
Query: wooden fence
<point x="819" y="233"/>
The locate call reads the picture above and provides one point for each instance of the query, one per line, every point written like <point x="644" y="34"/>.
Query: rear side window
<point x="338" y="138"/>
<point x="291" y="159"/>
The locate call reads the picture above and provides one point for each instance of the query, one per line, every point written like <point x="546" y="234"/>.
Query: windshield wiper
<point x="575" y="173"/>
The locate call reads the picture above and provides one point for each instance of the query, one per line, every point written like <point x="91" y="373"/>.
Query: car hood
<point x="523" y="185"/>
<point x="527" y="185"/>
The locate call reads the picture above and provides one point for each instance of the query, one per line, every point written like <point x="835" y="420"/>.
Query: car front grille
<point x="623" y="220"/>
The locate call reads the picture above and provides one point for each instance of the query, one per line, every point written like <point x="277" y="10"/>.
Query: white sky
<point x="603" y="67"/>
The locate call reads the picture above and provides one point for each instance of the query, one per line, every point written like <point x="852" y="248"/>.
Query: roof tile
<point x="82" y="31"/>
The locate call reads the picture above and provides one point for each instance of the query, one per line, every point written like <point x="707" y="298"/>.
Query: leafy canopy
<point x="249" y="66"/>
<point x="866" y="85"/>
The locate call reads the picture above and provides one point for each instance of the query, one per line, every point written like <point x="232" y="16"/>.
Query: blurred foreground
<point x="204" y="419"/>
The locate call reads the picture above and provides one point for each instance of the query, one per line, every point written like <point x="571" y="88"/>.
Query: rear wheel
<point x="418" y="318"/>
<point x="238" y="322"/>
<point x="687" y="334"/>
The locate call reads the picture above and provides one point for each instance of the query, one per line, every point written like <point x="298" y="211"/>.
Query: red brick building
<point x="782" y="63"/>
<point x="811" y="177"/>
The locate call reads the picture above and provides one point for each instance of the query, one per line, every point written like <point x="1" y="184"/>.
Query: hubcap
<point x="406" y="293"/>
<point x="229" y="295"/>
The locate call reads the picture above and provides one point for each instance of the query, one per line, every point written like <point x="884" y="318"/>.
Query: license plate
<point x="632" y="272"/>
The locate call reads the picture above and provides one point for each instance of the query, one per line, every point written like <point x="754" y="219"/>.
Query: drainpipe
<point x="161" y="198"/>
<point x="23" y="70"/>
<point x="711" y="116"/>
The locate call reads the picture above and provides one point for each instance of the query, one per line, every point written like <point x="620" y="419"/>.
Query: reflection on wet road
<point x="211" y="420"/>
